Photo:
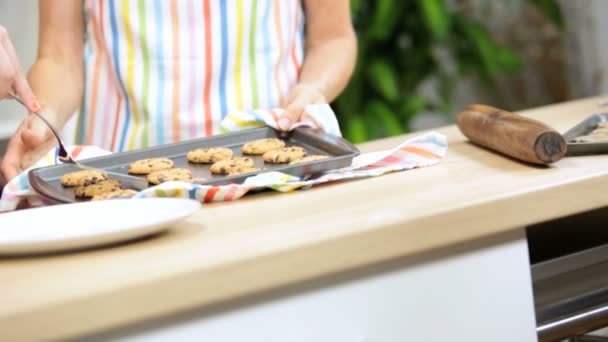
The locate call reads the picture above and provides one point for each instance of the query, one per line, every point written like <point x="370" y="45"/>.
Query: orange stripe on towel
<point x="209" y="196"/>
<point x="421" y="152"/>
<point x="76" y="152"/>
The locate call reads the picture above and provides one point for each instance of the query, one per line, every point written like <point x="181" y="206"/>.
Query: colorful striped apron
<point x="160" y="71"/>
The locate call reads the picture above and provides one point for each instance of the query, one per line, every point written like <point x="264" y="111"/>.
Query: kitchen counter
<point x="270" y="241"/>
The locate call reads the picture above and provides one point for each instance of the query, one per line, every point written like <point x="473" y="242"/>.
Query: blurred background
<point x="420" y="61"/>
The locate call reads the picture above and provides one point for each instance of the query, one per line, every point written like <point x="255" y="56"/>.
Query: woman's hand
<point x="301" y="96"/>
<point x="32" y="140"/>
<point x="57" y="77"/>
<point x="11" y="75"/>
<point x="330" y="56"/>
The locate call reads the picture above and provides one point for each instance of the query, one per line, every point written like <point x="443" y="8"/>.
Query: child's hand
<point x="301" y="96"/>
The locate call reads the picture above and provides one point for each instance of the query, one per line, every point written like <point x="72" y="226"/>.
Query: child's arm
<point x="329" y="60"/>
<point x="57" y="80"/>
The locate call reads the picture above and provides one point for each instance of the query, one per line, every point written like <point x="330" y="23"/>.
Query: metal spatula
<point x="65" y="156"/>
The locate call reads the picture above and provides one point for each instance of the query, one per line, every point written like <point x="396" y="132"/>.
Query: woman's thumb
<point x="36" y="131"/>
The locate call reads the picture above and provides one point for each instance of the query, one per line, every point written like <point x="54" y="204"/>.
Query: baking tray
<point x="584" y="128"/>
<point x="45" y="180"/>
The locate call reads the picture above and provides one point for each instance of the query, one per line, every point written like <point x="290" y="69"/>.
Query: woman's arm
<point x="330" y="56"/>
<point x="57" y="80"/>
<point x="57" y="75"/>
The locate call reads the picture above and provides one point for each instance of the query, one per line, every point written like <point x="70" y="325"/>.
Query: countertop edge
<point x="130" y="305"/>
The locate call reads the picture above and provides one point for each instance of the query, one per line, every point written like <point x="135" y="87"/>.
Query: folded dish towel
<point x="424" y="150"/>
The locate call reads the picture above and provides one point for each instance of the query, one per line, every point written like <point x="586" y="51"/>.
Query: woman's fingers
<point x="29" y="143"/>
<point x="7" y="74"/>
<point x="301" y="97"/>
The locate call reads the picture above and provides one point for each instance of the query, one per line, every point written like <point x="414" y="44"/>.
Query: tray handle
<point x="348" y="145"/>
<point x="48" y="191"/>
<point x="334" y="139"/>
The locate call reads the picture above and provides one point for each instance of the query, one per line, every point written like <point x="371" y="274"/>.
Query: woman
<point x="157" y="72"/>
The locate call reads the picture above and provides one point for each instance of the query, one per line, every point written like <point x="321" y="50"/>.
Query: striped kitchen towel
<point x="421" y="151"/>
<point x="424" y="150"/>
<point x="318" y="116"/>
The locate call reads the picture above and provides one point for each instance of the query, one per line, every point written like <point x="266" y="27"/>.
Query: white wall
<point x="21" y="20"/>
<point x="588" y="46"/>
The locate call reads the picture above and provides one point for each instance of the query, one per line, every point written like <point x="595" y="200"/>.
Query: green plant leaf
<point x="355" y="130"/>
<point x="551" y="9"/>
<point x="383" y="78"/>
<point x="385" y="18"/>
<point x="412" y="105"/>
<point x="508" y="59"/>
<point x="351" y="99"/>
<point x="484" y="48"/>
<point x="354" y="6"/>
<point x="436" y="17"/>
<point x="383" y="118"/>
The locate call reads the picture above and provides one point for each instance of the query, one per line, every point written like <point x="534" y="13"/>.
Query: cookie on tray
<point x="599" y="131"/>
<point x="116" y="194"/>
<point x="261" y="146"/>
<point x="223" y="167"/>
<point x="242" y="169"/>
<point x="108" y="185"/>
<point x="603" y="124"/>
<point x="308" y="159"/>
<point x="208" y="155"/>
<point x="162" y="176"/>
<point x="82" y="177"/>
<point x="284" y="155"/>
<point x="591" y="138"/>
<point x="149" y="165"/>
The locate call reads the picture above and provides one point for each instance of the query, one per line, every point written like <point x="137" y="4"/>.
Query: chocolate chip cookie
<point x="208" y="155"/>
<point x="308" y="159"/>
<point x="149" y="165"/>
<point x="116" y="194"/>
<point x="82" y="177"/>
<point x="242" y="169"/>
<point x="108" y="185"/>
<point x="261" y="146"/>
<point x="223" y="167"/>
<point x="284" y="155"/>
<point x="162" y="176"/>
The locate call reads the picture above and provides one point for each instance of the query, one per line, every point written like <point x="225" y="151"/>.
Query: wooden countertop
<point x="264" y="242"/>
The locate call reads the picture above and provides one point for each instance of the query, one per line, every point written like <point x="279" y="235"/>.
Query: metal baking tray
<point x="584" y="128"/>
<point x="45" y="180"/>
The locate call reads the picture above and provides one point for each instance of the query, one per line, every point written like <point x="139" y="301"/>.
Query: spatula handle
<point x="511" y="134"/>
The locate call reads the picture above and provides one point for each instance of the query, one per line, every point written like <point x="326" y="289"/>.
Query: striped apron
<point x="164" y="71"/>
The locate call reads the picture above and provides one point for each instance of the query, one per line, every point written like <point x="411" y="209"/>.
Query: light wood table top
<point x="267" y="241"/>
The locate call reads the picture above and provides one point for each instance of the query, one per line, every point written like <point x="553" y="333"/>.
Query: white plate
<point x="88" y="224"/>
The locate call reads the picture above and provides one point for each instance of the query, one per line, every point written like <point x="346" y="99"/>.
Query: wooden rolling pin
<point x="511" y="134"/>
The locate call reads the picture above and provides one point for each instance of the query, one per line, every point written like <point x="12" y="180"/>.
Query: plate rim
<point x="99" y="240"/>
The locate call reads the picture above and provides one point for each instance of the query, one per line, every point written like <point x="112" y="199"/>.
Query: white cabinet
<point x="471" y="294"/>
